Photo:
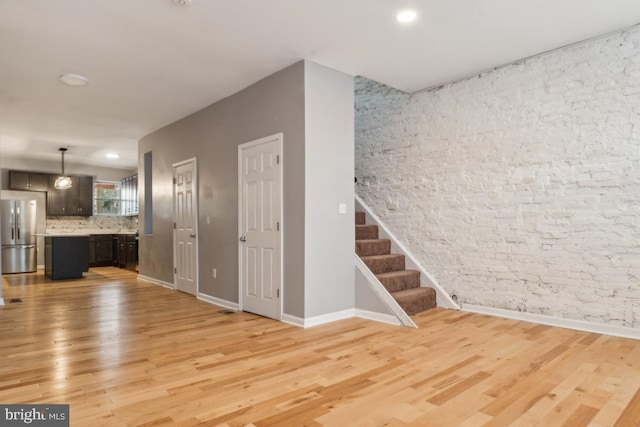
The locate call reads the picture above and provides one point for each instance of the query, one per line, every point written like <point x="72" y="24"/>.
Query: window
<point x="106" y="198"/>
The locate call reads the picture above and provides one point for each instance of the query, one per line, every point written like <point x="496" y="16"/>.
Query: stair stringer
<point x="443" y="299"/>
<point x="381" y="292"/>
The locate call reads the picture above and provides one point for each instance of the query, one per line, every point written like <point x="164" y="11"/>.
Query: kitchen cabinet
<point x="129" y="192"/>
<point x="28" y="181"/>
<point x="66" y="257"/>
<point x="132" y="253"/>
<point x="122" y="250"/>
<point x="100" y="250"/>
<point x="77" y="200"/>
<point x="128" y="251"/>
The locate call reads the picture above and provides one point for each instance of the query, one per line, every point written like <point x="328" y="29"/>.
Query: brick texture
<point x="519" y="188"/>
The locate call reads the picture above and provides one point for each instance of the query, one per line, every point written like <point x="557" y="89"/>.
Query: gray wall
<point x="329" y="236"/>
<point x="366" y="299"/>
<point x="212" y="135"/>
<point x="313" y="107"/>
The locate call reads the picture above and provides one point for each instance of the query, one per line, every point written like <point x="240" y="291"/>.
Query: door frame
<point x="193" y="160"/>
<point x="279" y="138"/>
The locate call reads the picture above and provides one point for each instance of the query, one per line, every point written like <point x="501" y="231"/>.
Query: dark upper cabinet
<point x="129" y="194"/>
<point x="28" y="181"/>
<point x="56" y="199"/>
<point x="77" y="200"/>
<point x="85" y="195"/>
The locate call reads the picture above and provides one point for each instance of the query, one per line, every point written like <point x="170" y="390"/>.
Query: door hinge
<point x="175" y="181"/>
<point x="175" y="270"/>
<point x="278" y="226"/>
<point x="174" y="225"/>
<point x="277" y="159"/>
<point x="278" y="292"/>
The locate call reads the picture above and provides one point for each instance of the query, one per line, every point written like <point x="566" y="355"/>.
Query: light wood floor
<point x="123" y="352"/>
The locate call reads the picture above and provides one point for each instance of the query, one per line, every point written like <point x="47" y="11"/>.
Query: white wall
<point x="329" y="235"/>
<point x="520" y="188"/>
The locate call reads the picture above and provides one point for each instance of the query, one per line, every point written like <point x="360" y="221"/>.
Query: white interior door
<point x="185" y="226"/>
<point x="260" y="180"/>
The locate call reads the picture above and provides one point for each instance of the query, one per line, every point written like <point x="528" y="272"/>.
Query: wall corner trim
<point x="578" y="325"/>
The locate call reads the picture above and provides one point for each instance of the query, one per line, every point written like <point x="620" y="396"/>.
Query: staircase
<point x="403" y="285"/>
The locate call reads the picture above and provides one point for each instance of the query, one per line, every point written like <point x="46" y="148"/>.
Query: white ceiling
<point x="151" y="62"/>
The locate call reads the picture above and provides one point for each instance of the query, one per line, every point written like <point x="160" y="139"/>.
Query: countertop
<point x="84" y="232"/>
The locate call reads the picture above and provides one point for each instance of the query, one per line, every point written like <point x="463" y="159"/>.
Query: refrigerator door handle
<point x="18" y="222"/>
<point x="13" y="228"/>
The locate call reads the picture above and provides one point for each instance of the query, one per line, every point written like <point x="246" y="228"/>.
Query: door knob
<point x="243" y="239"/>
<point x="192" y="235"/>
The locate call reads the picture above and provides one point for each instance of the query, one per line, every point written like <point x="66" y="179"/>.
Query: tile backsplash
<point x="91" y="222"/>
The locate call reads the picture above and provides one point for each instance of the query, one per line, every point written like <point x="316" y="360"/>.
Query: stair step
<point x="384" y="263"/>
<point x="402" y="280"/>
<point x="416" y="300"/>
<point x="364" y="232"/>
<point x="373" y="247"/>
<point x="360" y="218"/>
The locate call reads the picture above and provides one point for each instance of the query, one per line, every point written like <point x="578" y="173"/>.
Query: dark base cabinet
<point x="100" y="250"/>
<point x="66" y="257"/>
<point x="132" y="253"/>
<point x="128" y="251"/>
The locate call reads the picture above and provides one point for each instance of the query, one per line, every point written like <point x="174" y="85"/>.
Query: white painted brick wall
<point x="520" y="188"/>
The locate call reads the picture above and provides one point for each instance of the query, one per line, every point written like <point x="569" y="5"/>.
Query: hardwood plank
<point x="631" y="414"/>
<point x="581" y="417"/>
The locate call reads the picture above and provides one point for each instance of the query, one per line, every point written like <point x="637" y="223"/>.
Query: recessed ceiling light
<point x="74" y="79"/>
<point x="112" y="155"/>
<point x="406" y="16"/>
<point x="182" y="2"/>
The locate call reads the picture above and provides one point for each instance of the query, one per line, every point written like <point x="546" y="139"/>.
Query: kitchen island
<point x="65" y="256"/>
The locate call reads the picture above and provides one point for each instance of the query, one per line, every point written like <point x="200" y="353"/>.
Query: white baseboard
<point x="1" y="302"/>
<point x="578" y="325"/>
<point x="292" y="320"/>
<point x="156" y="281"/>
<point x="340" y="315"/>
<point x="378" y="317"/>
<point x="40" y="267"/>
<point x="217" y="301"/>
<point x="318" y="320"/>
<point x="329" y="317"/>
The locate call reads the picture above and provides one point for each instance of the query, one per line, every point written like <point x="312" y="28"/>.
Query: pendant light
<point x="63" y="182"/>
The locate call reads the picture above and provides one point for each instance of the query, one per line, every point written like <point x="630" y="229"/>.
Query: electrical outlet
<point x="342" y="208"/>
<point x="214" y="272"/>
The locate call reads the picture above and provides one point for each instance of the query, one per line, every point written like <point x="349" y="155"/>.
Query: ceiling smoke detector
<point x="182" y="2"/>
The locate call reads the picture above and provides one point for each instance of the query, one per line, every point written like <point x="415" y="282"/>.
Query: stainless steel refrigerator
<point x="18" y="239"/>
